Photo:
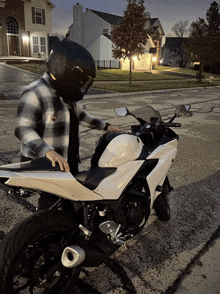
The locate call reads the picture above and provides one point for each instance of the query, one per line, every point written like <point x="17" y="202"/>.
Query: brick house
<point x="92" y="30"/>
<point x="24" y="27"/>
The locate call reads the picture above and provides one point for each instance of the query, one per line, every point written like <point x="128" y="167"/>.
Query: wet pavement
<point x="182" y="255"/>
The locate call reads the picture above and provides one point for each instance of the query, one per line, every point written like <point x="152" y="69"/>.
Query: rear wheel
<point x="30" y="255"/>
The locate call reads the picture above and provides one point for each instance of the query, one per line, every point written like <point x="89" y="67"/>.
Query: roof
<point x="114" y="19"/>
<point x="152" y="20"/>
<point x="48" y="2"/>
<point x="110" y="18"/>
<point x="175" y="42"/>
<point x="108" y="36"/>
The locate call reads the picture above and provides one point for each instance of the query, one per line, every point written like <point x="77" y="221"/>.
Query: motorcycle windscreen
<point x="121" y="149"/>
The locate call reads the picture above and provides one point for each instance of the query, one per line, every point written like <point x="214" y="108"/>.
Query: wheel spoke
<point x="25" y="286"/>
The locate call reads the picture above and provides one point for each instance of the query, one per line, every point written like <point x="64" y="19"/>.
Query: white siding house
<point x="92" y="29"/>
<point x="38" y="26"/>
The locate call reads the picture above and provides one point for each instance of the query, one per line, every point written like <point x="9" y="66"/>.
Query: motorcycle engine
<point x="132" y="215"/>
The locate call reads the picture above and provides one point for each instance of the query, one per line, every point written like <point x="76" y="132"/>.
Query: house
<point x="174" y="54"/>
<point x="24" y="27"/>
<point x="92" y="29"/>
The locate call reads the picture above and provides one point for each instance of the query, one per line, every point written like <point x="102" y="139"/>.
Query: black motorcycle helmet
<point x="72" y="69"/>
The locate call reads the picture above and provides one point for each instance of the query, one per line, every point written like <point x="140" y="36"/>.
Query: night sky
<point x="168" y="11"/>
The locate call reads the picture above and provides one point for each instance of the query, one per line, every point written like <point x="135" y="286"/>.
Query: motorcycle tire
<point x="30" y="255"/>
<point x="162" y="207"/>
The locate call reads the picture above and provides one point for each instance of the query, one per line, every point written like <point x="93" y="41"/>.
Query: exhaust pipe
<point x="72" y="256"/>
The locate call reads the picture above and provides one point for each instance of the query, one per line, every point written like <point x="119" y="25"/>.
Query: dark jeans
<point x="46" y="200"/>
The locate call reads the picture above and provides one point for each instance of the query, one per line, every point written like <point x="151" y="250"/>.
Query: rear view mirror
<point x="182" y="110"/>
<point x="122" y="111"/>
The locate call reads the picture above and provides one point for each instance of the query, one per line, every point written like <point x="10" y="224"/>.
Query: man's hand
<point x="114" y="129"/>
<point x="54" y="157"/>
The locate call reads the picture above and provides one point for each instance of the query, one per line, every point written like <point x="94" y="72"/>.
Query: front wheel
<point x="161" y="204"/>
<point x="30" y="255"/>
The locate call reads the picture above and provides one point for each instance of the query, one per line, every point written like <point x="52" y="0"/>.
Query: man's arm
<point x="28" y="117"/>
<point x="95" y="123"/>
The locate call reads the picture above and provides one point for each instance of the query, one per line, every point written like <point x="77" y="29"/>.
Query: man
<point x="48" y="115"/>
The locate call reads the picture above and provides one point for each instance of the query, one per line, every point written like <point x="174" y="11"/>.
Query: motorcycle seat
<point x="35" y="165"/>
<point x="91" y="178"/>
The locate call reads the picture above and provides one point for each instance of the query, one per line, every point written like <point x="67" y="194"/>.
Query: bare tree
<point x="179" y="29"/>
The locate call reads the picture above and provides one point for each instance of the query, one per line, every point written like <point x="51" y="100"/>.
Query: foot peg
<point x="112" y="229"/>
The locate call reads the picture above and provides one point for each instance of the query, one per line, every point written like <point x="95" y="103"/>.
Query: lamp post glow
<point x="25" y="39"/>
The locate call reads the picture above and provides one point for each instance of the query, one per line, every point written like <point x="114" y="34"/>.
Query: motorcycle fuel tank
<point x="121" y="149"/>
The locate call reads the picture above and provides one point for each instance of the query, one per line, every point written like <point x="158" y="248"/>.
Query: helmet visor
<point x="85" y="87"/>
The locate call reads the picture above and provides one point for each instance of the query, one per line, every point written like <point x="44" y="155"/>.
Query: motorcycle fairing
<point x="121" y="149"/>
<point x="112" y="187"/>
<point x="166" y="154"/>
<point x="59" y="183"/>
<point x="65" y="185"/>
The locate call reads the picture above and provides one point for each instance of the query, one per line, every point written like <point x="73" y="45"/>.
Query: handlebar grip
<point x="170" y="125"/>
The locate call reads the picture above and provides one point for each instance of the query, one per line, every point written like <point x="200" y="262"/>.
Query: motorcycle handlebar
<point x="170" y="125"/>
<point x="141" y="130"/>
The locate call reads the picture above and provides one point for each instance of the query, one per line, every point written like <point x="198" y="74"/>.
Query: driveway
<point x="155" y="259"/>
<point x="14" y="80"/>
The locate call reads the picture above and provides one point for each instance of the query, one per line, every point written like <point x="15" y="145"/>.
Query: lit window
<point x="39" y="45"/>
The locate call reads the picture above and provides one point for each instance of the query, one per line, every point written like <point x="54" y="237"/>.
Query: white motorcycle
<point x="98" y="210"/>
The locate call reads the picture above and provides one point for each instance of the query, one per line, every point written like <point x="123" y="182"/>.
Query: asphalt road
<point x="160" y="257"/>
<point x="13" y="81"/>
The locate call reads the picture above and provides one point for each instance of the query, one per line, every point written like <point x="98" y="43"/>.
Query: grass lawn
<point x="123" y="75"/>
<point x="184" y="71"/>
<point x="117" y="80"/>
<point x="38" y="68"/>
<point x="150" y="86"/>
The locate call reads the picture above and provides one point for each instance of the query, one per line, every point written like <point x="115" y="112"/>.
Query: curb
<point x="112" y="95"/>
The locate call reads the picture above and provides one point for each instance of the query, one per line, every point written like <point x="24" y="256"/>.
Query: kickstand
<point x="76" y="284"/>
<point x="117" y="269"/>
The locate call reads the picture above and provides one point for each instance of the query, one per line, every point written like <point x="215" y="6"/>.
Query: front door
<point x="13" y="45"/>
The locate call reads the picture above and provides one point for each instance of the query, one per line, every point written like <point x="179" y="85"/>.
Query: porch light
<point x="25" y="38"/>
<point x="134" y="58"/>
<point x="154" y="58"/>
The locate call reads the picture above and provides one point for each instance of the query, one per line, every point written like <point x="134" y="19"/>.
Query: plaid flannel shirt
<point x="43" y="120"/>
